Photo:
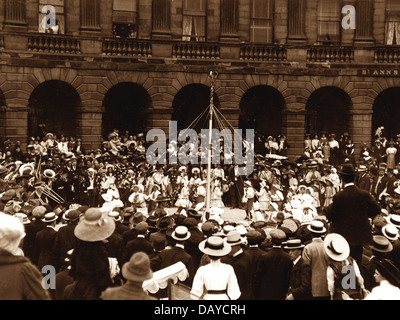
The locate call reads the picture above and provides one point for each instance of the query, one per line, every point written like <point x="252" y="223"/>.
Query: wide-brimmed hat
<point x="9" y="195"/>
<point x="381" y="244"/>
<point x="107" y="197"/>
<point x="181" y="233"/>
<point x="316" y="226"/>
<point x="95" y="226"/>
<point x="165" y="223"/>
<point x="336" y="247"/>
<point x="293" y="244"/>
<point x="49" y="217"/>
<point x="194" y="214"/>
<point x="215" y="246"/>
<point x="137" y="218"/>
<point x="390" y="231"/>
<point x="137" y="268"/>
<point x="388" y="270"/>
<point x="195" y="170"/>
<point x="347" y="169"/>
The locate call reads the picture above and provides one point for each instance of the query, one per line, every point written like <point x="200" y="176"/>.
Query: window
<point x="15" y="11"/>
<point x="45" y="24"/>
<point x="194" y="20"/>
<point x="296" y="19"/>
<point x="261" y="21"/>
<point x="364" y="20"/>
<point x="90" y="14"/>
<point x="393" y="22"/>
<point x="124" y="18"/>
<point x="329" y="21"/>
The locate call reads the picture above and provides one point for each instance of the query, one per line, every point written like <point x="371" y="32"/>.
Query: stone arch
<point x="261" y="109"/>
<point x="52" y="107"/>
<point x="386" y="112"/>
<point x="126" y="106"/>
<point x="328" y="111"/>
<point x="189" y="103"/>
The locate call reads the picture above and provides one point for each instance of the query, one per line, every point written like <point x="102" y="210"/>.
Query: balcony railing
<point x="387" y="54"/>
<point x="195" y="51"/>
<point x="53" y="44"/>
<point x="330" y="54"/>
<point x="263" y="53"/>
<point x="132" y="47"/>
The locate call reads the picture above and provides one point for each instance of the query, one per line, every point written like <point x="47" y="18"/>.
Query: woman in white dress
<point x="391" y="155"/>
<point x="216" y="195"/>
<point x="215" y="280"/>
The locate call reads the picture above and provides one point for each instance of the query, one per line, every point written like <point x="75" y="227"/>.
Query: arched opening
<point x="328" y="111"/>
<point x="125" y="109"/>
<point x="189" y="103"/>
<point x="261" y="109"/>
<point x="52" y="108"/>
<point x="386" y="113"/>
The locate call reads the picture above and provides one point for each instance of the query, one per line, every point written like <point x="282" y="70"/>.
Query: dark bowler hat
<point x="347" y="170"/>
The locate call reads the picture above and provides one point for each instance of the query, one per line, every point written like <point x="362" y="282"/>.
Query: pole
<point x="213" y="76"/>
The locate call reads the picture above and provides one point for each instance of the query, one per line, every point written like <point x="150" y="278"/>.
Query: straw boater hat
<point x="95" y="226"/>
<point x="394" y="219"/>
<point x="336" y="247"/>
<point x="390" y="231"/>
<point x="316" y="226"/>
<point x="49" y="217"/>
<point x="22" y="217"/>
<point x="215" y="246"/>
<point x="181" y="233"/>
<point x="115" y="215"/>
<point x="293" y="244"/>
<point x="381" y="244"/>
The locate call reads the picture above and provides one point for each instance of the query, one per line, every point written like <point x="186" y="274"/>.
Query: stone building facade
<point x="290" y="63"/>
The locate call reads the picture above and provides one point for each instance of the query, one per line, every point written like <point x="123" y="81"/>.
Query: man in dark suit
<point x="236" y="187"/>
<point x="44" y="242"/>
<point x="273" y="270"/>
<point x="379" y="183"/>
<point x="253" y="251"/>
<point x="363" y="179"/>
<point x="65" y="239"/>
<point x="175" y="254"/>
<point x="350" y="213"/>
<point x="140" y="243"/>
<point x="241" y="264"/>
<point x="300" y="277"/>
<point x="31" y="229"/>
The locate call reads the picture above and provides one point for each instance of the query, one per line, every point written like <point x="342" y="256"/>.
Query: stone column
<point x="16" y="124"/>
<point x="89" y="126"/>
<point x="293" y="127"/>
<point x="361" y="127"/>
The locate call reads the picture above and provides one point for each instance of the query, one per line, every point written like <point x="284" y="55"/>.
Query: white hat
<point x="390" y="231"/>
<point x="107" y="197"/>
<point x="181" y="233"/>
<point x="336" y="247"/>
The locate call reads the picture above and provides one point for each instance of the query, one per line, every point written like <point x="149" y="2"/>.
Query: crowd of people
<point x="107" y="220"/>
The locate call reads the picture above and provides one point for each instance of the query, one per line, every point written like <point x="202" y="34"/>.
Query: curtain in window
<point x="199" y="28"/>
<point x="187" y="24"/>
<point x="391" y="28"/>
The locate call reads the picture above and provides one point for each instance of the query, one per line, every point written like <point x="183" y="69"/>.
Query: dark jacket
<point x="128" y="291"/>
<point x="349" y="213"/>
<point x="136" y="245"/>
<point x="65" y="240"/>
<point x="241" y="264"/>
<point x="44" y="244"/>
<point x="272" y="275"/>
<point x="300" y="281"/>
<point x="28" y="246"/>
<point x="20" y="279"/>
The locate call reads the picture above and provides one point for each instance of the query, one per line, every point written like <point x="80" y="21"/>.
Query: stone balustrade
<point x="263" y="53"/>
<point x="195" y="51"/>
<point x="330" y="54"/>
<point x="129" y="47"/>
<point x="53" y="44"/>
